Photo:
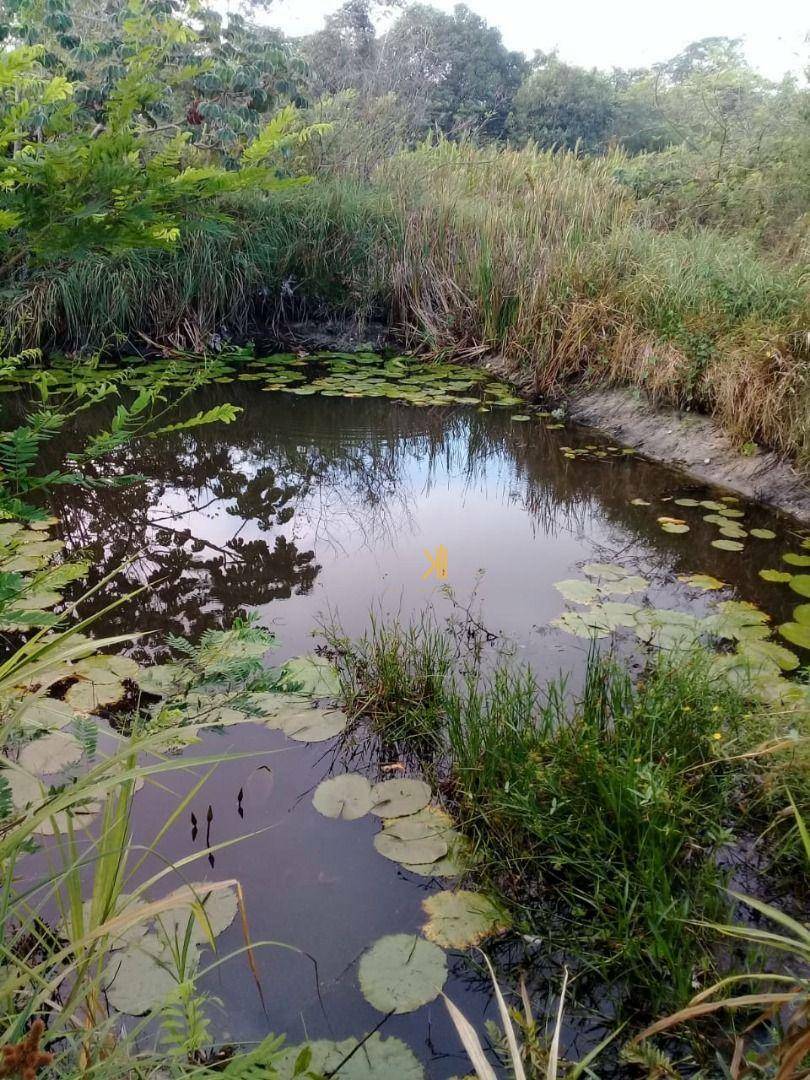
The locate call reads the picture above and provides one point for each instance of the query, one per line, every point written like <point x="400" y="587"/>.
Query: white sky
<point x="621" y="33"/>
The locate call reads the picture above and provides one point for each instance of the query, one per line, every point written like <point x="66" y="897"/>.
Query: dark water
<point x="308" y="505"/>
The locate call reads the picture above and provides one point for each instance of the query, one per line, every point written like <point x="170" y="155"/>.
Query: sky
<point x="619" y="33"/>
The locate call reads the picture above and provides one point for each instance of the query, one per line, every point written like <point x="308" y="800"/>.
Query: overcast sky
<point x="621" y="33"/>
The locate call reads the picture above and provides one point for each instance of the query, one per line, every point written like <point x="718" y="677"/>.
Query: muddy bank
<point x="696" y="444"/>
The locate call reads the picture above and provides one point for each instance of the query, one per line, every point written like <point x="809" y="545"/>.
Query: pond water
<point x="306" y="506"/>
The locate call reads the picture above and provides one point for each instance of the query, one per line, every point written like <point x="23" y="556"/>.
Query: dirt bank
<point x="694" y="444"/>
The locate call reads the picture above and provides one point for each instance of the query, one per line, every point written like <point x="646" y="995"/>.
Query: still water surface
<point x="307" y="506"/>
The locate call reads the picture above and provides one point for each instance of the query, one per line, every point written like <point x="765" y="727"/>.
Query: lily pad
<point x="737" y="620"/>
<point x="800" y="583"/>
<point x="85" y="696"/>
<point x="793" y="559"/>
<point x="686" y="502"/>
<point x="711" y="505"/>
<point x="410" y="840"/>
<point x="763" y="534"/>
<point x="797" y="633"/>
<point x="164" y="680"/>
<point x="315" y="725"/>
<point x="27" y="792"/>
<point x="585" y="624"/>
<point x="606" y="571"/>
<point x="312" y="675"/>
<point x="51" y="753"/>
<point x="702" y="581"/>
<point x="457" y="920"/>
<point x="219" y="904"/>
<point x="728" y="545"/>
<point x="640" y="502"/>
<point x="578" y="591"/>
<point x="379" y="1059"/>
<point x="775" y="575"/>
<point x="44" y="714"/>
<point x="142" y="976"/>
<point x="402" y="972"/>
<point x="346" y="797"/>
<point x="769" y="651"/>
<point x="802" y="614"/>
<point x="399" y="798"/>
<point x="675" y="526"/>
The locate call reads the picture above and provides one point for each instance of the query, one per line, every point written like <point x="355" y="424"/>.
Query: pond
<point x="308" y="506"/>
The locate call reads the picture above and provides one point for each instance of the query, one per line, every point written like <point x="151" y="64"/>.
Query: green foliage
<point x="558" y="105"/>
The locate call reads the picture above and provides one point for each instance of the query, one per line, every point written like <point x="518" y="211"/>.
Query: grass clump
<point x="601" y="819"/>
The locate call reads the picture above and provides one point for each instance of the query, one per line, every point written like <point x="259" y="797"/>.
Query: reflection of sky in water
<point x="355" y="493"/>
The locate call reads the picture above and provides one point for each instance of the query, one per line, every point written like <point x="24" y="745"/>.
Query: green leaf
<point x="402" y="972"/>
<point x="797" y="633"/>
<point x="775" y="575"/>
<point x="411" y="840"/>
<point x="796" y="560"/>
<point x="347" y="797"/>
<point x="459" y="919"/>
<point x="800" y="583"/>
<point x="399" y="798"/>
<point x="312" y="675"/>
<point x="728" y="545"/>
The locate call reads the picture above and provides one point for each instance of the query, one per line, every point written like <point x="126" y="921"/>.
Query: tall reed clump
<point x="546" y="259"/>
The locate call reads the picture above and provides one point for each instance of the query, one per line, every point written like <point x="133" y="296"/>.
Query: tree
<point x="559" y="105"/>
<point x="453" y="71"/>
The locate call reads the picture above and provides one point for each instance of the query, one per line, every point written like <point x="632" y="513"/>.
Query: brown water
<point x="308" y="505"/>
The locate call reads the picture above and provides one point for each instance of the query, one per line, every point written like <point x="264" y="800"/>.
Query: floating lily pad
<point x="379" y="1059"/>
<point x="797" y="633"/>
<point x="792" y="559"/>
<point x="640" y="502"/>
<point x="675" y="526"/>
<point x="457" y="861"/>
<point x="775" y="575"/>
<point x="521" y="417"/>
<point x="584" y="624"/>
<point x="219" y="905"/>
<point x="728" y="545"/>
<point x="800" y="583"/>
<point x="164" y="680"/>
<point x="399" y="798"/>
<point x="711" y="505"/>
<point x="702" y="581"/>
<point x="51" y="753"/>
<point x="402" y="972"/>
<point x="410" y="840"/>
<point x="686" y="502"/>
<point x="606" y="571"/>
<point x="274" y="709"/>
<point x="630" y="584"/>
<point x="457" y="920"/>
<point x="671" y="631"/>
<point x="729" y="513"/>
<point x="312" y="675"/>
<point x="44" y="714"/>
<point x="315" y="725"/>
<point x="85" y="696"/>
<point x="346" y="797"/>
<point x="737" y="620"/>
<point x="763" y="534"/>
<point x="801" y="614"/>
<point x="769" y="651"/>
<point x="142" y="976"/>
<point x="578" y="591"/>
<point x="29" y="793"/>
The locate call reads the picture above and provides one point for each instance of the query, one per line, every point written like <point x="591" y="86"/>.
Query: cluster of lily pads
<point x="594" y="452"/>
<point x="756" y="665"/>
<point x="402" y="972"/>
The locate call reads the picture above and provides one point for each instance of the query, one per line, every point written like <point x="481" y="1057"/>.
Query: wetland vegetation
<point x="275" y="801"/>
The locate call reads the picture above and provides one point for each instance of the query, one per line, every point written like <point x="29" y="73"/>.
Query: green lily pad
<point x="29" y="793"/>
<point x="585" y="624"/>
<point x="578" y="591"/>
<point x="411" y="840"/>
<point x="606" y="571"/>
<point x="702" y="581"/>
<point x="51" y="753"/>
<point x="630" y="584"/>
<point x="686" y="502"/>
<point x="521" y="417"/>
<point x="640" y="502"/>
<point x="379" y="1059"/>
<point x="220" y="906"/>
<point x="346" y="797"/>
<point x="44" y="714"/>
<point x="763" y="534"/>
<point x="729" y="513"/>
<point x="141" y="976"/>
<point x="164" y="680"/>
<point x="674" y="527"/>
<point x="402" y="972"/>
<point x="801" y="614"/>
<point x="457" y="861"/>
<point x="796" y="633"/>
<point x="728" y="545"/>
<point x="399" y="798"/>
<point x="800" y="583"/>
<point x="775" y="575"/>
<point x="736" y="620"/>
<point x="709" y="504"/>
<point x="315" y="725"/>
<point x="769" y="651"/>
<point x="312" y="675"/>
<point x="86" y="696"/>
<point x="792" y="559"/>
<point x="459" y="919"/>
